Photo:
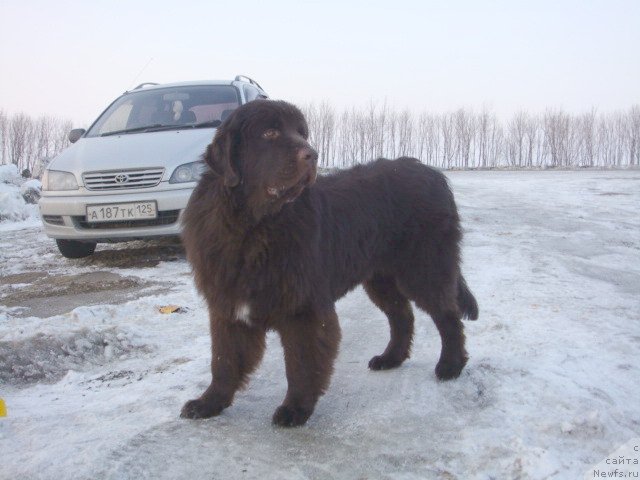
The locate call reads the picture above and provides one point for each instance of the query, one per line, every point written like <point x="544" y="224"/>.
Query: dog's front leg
<point x="310" y="343"/>
<point x="237" y="349"/>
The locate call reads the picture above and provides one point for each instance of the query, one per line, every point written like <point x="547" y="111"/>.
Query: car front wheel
<point x="75" y="249"/>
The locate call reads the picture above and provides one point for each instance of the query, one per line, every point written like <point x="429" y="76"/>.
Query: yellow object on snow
<point x="3" y="408"/>
<point x="170" y="309"/>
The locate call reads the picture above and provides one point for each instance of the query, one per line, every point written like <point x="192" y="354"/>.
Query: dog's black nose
<point x="307" y="156"/>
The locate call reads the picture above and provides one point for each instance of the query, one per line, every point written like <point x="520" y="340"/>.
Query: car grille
<point x="123" y="179"/>
<point x="167" y="217"/>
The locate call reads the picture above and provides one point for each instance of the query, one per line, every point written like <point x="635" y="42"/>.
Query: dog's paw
<point x="198" y="408"/>
<point x="448" y="370"/>
<point x="286" y="416"/>
<point x="382" y="362"/>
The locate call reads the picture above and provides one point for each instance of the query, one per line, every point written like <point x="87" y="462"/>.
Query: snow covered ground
<point x="551" y="388"/>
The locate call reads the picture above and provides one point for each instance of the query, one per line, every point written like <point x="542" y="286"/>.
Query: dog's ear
<point x="218" y="156"/>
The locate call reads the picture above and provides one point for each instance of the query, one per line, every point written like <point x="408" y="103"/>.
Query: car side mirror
<point x="75" y="134"/>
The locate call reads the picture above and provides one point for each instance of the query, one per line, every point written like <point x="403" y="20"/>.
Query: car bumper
<point x="64" y="217"/>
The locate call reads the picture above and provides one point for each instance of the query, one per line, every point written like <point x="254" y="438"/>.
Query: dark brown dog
<point x="272" y="248"/>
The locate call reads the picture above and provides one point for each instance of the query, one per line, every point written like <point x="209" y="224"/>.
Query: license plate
<point x="121" y="211"/>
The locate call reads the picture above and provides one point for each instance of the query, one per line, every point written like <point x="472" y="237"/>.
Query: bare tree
<point x="373" y="131"/>
<point x="428" y="138"/>
<point x="42" y="141"/>
<point x="533" y="141"/>
<point x="20" y="132"/>
<point x="447" y="128"/>
<point x="605" y="141"/>
<point x="482" y="132"/>
<point x="321" y="129"/>
<point x="464" y="128"/>
<point x="516" y="147"/>
<point x="556" y="131"/>
<point x="349" y="138"/>
<point x="634" y="135"/>
<point x="391" y="141"/>
<point x="587" y="133"/>
<point x="4" y="134"/>
<point x="405" y="134"/>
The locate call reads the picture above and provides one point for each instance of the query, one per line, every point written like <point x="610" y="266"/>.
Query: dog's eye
<point x="271" y="134"/>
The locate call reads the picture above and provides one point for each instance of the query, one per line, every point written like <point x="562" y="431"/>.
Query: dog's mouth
<point x="289" y="194"/>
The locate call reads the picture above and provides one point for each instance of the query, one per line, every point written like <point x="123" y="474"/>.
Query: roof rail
<point x="142" y="85"/>
<point x="251" y="80"/>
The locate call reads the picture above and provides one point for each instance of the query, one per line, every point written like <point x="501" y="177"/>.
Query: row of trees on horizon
<point x="30" y="143"/>
<point x="462" y="138"/>
<point x="465" y="138"/>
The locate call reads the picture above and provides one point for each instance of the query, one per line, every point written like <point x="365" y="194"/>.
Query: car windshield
<point x="166" y="108"/>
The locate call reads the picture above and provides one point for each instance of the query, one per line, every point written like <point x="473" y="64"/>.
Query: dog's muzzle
<point x="307" y="165"/>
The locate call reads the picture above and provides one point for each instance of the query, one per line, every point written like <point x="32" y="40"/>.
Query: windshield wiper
<point x="210" y="123"/>
<point x="132" y="130"/>
<point x="183" y="126"/>
<point x="159" y="127"/>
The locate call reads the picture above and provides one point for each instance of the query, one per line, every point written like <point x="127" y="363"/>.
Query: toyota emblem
<point x="121" y="178"/>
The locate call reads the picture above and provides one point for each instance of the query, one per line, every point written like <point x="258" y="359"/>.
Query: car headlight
<point x="54" y="180"/>
<point x="188" y="172"/>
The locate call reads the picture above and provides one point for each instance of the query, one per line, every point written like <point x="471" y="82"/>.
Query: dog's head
<point x="261" y="153"/>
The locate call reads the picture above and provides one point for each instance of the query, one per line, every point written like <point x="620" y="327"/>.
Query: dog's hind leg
<point x="384" y="293"/>
<point x="453" y="356"/>
<point x="440" y="301"/>
<point x="310" y="341"/>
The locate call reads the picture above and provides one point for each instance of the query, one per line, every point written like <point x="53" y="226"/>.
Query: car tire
<point x="75" y="249"/>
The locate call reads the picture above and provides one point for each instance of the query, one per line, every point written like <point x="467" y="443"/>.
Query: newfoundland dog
<point x="273" y="247"/>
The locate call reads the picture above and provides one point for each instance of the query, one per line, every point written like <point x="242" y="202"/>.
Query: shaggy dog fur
<point x="273" y="248"/>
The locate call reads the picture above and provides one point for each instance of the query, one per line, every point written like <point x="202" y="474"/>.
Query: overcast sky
<point x="71" y="58"/>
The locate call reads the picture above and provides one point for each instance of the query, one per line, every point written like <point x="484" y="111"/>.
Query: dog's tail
<point x="466" y="301"/>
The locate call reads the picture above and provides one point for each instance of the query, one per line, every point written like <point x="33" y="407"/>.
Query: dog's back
<point x="383" y="216"/>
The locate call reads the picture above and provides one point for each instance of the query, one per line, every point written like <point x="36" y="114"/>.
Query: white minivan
<point x="130" y="175"/>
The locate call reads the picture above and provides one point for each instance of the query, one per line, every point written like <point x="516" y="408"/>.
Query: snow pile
<point x="48" y="357"/>
<point x="9" y="173"/>
<point x="13" y="206"/>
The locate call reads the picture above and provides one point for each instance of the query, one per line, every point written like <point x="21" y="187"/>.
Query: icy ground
<point x="551" y="388"/>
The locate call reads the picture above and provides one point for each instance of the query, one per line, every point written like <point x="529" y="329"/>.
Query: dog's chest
<point x="242" y="313"/>
<point x="261" y="284"/>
